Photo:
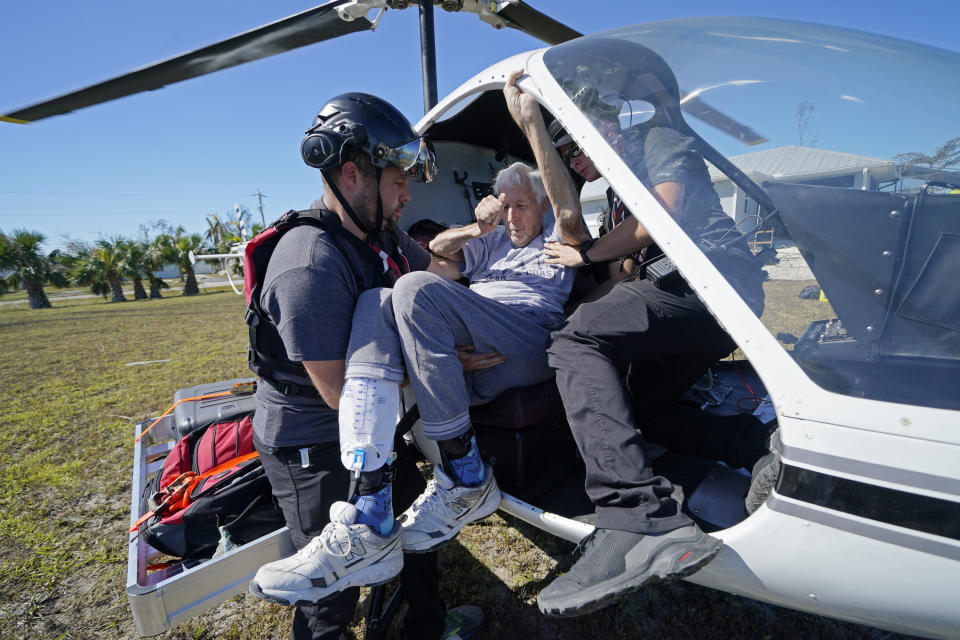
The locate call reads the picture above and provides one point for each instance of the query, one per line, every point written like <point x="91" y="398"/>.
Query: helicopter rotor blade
<point x="702" y="111"/>
<point x="307" y="27"/>
<point x="323" y="22"/>
<point x="521" y="16"/>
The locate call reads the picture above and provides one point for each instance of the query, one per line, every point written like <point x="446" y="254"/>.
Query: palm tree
<point x="100" y="267"/>
<point x="87" y="269"/>
<point x="216" y="230"/>
<point x="157" y="256"/>
<point x="221" y="234"/>
<point x="178" y="247"/>
<point x="20" y="253"/>
<point x="110" y="254"/>
<point x="135" y="265"/>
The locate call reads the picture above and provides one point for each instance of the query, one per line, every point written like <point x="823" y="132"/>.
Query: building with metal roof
<point x="791" y="163"/>
<point x="806" y="165"/>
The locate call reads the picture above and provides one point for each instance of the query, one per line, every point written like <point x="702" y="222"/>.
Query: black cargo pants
<point x="661" y="341"/>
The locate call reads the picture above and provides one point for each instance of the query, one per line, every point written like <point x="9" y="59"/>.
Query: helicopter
<point x="863" y="522"/>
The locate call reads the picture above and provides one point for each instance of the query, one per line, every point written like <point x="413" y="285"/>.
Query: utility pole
<point x="260" y="197"/>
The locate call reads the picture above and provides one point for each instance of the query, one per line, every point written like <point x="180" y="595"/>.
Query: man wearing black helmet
<point x="300" y="326"/>
<point x="624" y="357"/>
<point x="417" y="328"/>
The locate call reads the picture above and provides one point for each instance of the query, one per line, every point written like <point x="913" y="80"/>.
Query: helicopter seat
<point x="524" y="432"/>
<point x="525" y="428"/>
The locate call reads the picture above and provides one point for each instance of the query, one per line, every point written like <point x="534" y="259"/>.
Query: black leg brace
<point x="364" y="483"/>
<point x="453" y="449"/>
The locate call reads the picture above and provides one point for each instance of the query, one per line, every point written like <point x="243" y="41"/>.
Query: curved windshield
<point x="820" y="173"/>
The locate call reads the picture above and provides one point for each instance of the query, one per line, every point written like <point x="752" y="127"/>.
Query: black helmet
<point x="558" y="135"/>
<point x="600" y="74"/>
<point x="369" y="124"/>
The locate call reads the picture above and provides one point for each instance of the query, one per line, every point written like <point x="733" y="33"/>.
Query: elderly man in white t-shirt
<point x="420" y="329"/>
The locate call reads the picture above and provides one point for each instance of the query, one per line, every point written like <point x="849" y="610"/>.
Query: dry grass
<point x="786" y="314"/>
<point x="65" y="458"/>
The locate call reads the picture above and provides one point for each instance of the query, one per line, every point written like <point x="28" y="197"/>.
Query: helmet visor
<point x="415" y="158"/>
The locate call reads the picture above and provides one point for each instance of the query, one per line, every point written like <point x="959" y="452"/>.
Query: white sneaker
<point x="444" y="508"/>
<point x="344" y="555"/>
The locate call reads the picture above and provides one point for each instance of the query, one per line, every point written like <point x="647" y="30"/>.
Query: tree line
<point x="104" y="265"/>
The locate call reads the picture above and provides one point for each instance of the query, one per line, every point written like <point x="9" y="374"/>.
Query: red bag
<point x="212" y="478"/>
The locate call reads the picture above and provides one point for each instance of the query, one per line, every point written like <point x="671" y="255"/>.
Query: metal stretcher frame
<point x="166" y="597"/>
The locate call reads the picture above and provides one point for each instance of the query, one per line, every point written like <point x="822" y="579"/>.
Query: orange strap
<point x="181" y="488"/>
<point x="171" y="493"/>
<point x="220" y="468"/>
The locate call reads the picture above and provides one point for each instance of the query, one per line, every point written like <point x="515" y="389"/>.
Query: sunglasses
<point x="569" y="151"/>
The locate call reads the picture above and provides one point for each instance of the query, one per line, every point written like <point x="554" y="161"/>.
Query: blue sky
<point x="201" y="146"/>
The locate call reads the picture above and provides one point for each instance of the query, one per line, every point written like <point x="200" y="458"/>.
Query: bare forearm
<point x="327" y="377"/>
<point x="630" y="236"/>
<point x="558" y="183"/>
<point x="561" y="191"/>
<point x="625" y="238"/>
<point x="444" y="268"/>
<point x="449" y="243"/>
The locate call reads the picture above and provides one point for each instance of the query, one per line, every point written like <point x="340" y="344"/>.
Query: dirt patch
<point x="791" y="266"/>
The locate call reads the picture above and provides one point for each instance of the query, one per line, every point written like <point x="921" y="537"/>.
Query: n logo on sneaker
<point x="354" y="550"/>
<point x="460" y="507"/>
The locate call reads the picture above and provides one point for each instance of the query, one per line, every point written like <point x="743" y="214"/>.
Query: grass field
<point x="66" y="431"/>
<point x="61" y="295"/>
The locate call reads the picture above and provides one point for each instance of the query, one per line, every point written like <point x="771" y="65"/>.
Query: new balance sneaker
<point x="344" y="555"/>
<point x="441" y="511"/>
<point x="764" y="475"/>
<point x="614" y="563"/>
<point x="462" y="622"/>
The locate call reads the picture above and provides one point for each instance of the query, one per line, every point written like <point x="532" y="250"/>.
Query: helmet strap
<point x="346" y="205"/>
<point x="379" y="201"/>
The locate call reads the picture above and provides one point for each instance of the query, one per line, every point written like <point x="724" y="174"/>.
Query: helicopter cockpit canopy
<point x="850" y="192"/>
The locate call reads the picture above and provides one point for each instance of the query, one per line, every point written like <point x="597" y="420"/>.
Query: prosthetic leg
<point x="361" y="544"/>
<point x="368" y="417"/>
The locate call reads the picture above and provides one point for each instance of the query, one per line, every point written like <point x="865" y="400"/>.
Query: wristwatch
<point x="584" y="247"/>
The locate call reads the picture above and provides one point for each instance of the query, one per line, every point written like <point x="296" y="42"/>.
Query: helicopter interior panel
<point x="468" y="157"/>
<point x="887" y="262"/>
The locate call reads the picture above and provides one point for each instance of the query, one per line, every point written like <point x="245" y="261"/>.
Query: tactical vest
<point x="266" y="353"/>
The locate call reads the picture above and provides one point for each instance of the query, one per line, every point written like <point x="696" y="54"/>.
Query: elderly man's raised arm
<point x="556" y="179"/>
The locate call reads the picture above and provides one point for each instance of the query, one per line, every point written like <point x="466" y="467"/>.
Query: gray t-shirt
<point x="519" y="276"/>
<point x="309" y="292"/>
<point x="661" y="154"/>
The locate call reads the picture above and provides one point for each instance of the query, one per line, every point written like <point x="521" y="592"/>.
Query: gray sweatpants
<point x="417" y="325"/>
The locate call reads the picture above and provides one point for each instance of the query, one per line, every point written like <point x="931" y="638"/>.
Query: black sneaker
<point x="614" y="563"/>
<point x="764" y="475"/>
